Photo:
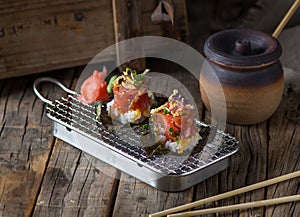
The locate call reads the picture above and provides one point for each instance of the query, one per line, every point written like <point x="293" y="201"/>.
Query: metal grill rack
<point x="76" y="123"/>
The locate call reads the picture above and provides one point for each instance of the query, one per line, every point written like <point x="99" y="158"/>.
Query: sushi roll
<point x="173" y="124"/>
<point x="131" y="103"/>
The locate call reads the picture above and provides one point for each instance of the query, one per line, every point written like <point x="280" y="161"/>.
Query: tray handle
<point x="38" y="81"/>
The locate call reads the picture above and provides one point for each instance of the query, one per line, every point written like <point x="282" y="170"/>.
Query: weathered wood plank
<point x="247" y="167"/>
<point x="74" y="186"/>
<point x="251" y="167"/>
<point x="21" y="170"/>
<point x="40" y="36"/>
<point x="25" y="145"/>
<point x="267" y="151"/>
<point x="135" y="198"/>
<point x="128" y="28"/>
<point x="180" y="30"/>
<point x="284" y="157"/>
<point x="200" y="24"/>
<point x="37" y="36"/>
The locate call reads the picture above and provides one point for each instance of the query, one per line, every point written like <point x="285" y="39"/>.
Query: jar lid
<point x="242" y="47"/>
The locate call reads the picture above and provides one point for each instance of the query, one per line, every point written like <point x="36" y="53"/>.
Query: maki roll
<point x="173" y="124"/>
<point x="131" y="103"/>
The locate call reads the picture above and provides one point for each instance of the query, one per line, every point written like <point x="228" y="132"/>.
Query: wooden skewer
<point x="227" y="194"/>
<point x="241" y="206"/>
<point x="286" y="18"/>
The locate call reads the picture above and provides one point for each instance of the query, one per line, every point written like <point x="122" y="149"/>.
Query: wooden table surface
<point x="44" y="176"/>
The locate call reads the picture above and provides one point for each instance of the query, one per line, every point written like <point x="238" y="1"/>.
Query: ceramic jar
<point x="246" y="64"/>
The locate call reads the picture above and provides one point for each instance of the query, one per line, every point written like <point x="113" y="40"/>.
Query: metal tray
<point x="76" y="124"/>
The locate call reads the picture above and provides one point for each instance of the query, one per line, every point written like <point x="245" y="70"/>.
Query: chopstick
<point x="286" y="18"/>
<point x="227" y="194"/>
<point x="241" y="206"/>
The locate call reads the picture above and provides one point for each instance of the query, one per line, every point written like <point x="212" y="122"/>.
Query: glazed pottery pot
<point x="245" y="63"/>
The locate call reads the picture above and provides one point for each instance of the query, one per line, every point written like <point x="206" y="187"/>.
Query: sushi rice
<point x="174" y="125"/>
<point x="131" y="116"/>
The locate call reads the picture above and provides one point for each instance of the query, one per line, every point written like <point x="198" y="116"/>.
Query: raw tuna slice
<point x="174" y="124"/>
<point x="131" y="103"/>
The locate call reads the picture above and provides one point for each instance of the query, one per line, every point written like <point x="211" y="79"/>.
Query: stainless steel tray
<point x="76" y="124"/>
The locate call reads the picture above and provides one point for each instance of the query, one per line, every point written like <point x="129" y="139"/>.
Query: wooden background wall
<point x="43" y="35"/>
<point x="37" y="36"/>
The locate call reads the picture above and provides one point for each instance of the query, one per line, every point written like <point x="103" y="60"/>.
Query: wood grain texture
<point x="246" y="167"/>
<point x="284" y="157"/>
<point x="268" y="150"/>
<point x="73" y="182"/>
<point x="134" y="198"/>
<point x="25" y="145"/>
<point x="40" y="36"/>
<point x="128" y="28"/>
<point x="138" y="23"/>
<point x="74" y="186"/>
<point x="43" y="176"/>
